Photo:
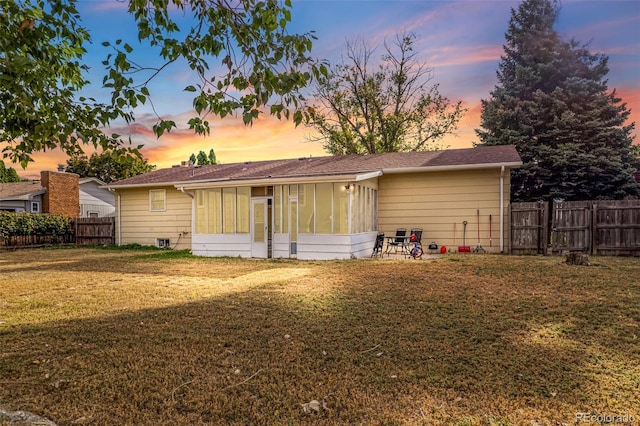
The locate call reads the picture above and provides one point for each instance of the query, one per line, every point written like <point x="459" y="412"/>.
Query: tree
<point x="108" y="166"/>
<point x="553" y="104"/>
<point x="8" y="174"/>
<point x="42" y="74"/>
<point x="212" y="157"/>
<point x="202" y="159"/>
<point x="369" y="108"/>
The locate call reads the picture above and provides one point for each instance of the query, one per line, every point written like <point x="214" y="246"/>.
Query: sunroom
<point x="331" y="217"/>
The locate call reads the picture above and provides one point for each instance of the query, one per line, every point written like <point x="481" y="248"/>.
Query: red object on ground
<point x="443" y="249"/>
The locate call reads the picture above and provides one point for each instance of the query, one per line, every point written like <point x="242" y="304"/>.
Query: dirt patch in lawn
<point x="114" y="337"/>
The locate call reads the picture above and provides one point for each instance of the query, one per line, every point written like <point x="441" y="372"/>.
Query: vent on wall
<point x="163" y="242"/>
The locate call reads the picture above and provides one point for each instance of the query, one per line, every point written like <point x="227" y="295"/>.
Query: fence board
<point x="95" y="231"/>
<point x="528" y="228"/>
<point x="603" y="227"/>
<point x="571" y="226"/>
<point x="616" y="228"/>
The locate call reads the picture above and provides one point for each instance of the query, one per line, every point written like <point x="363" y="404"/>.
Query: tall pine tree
<point x="553" y="104"/>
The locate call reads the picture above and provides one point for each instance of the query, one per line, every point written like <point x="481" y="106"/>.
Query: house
<point x="55" y="192"/>
<point x="320" y="208"/>
<point x="59" y="193"/>
<point x="95" y="200"/>
<point x="18" y="197"/>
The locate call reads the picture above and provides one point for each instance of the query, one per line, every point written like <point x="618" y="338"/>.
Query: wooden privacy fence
<point x="95" y="231"/>
<point x="610" y="228"/>
<point x="529" y="228"/>
<point x="83" y="231"/>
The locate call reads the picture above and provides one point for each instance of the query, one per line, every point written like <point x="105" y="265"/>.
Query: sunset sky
<point x="460" y="39"/>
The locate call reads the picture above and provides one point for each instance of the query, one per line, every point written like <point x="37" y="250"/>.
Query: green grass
<point x="158" y="337"/>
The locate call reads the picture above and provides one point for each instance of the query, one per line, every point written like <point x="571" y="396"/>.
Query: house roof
<point x="20" y="190"/>
<point x="343" y="165"/>
<point x="84" y="180"/>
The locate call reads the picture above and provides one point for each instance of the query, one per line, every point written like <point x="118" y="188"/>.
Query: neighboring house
<point x="95" y="200"/>
<point x="320" y="208"/>
<point x="18" y="197"/>
<point x="55" y="192"/>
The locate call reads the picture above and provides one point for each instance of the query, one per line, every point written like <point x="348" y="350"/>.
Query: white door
<point x="259" y="228"/>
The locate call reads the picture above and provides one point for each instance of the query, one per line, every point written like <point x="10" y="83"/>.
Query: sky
<point x="461" y="40"/>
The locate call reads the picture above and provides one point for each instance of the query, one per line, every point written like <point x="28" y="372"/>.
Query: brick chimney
<point x="62" y="194"/>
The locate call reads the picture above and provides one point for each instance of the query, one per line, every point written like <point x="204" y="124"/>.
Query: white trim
<point x="91" y="179"/>
<point x="369" y="175"/>
<point x="450" y="168"/>
<point x="263" y="181"/>
<point x="266" y="181"/>
<point x="164" y="208"/>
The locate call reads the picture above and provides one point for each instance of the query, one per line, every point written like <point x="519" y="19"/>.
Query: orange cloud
<point x="268" y="138"/>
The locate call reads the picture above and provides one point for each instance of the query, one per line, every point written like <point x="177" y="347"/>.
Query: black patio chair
<point x="399" y="241"/>
<point x="377" y="248"/>
<point x="418" y="233"/>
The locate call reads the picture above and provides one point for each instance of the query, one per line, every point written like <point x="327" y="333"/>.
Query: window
<point x="244" y="205"/>
<point x="35" y="207"/>
<point x="163" y="242"/>
<point x="324" y="199"/>
<point x="340" y="208"/>
<point x="223" y="210"/>
<point x="157" y="200"/>
<point x="214" y="211"/>
<point x="93" y="214"/>
<point x="306" y="209"/>
<point x="229" y="210"/>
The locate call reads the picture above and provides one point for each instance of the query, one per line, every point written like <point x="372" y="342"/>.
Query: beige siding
<point x="439" y="202"/>
<point x="139" y="225"/>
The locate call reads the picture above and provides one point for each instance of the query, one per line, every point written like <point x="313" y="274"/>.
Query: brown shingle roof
<point x="331" y="165"/>
<point x="15" y="190"/>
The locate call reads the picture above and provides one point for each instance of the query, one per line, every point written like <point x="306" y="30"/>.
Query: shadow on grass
<point x="432" y="345"/>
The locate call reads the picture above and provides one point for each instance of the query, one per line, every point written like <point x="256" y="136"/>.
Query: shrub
<point x="28" y="224"/>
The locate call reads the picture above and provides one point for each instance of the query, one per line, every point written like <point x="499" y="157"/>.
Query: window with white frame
<point x="35" y="207"/>
<point x="157" y="200"/>
<point x="223" y="210"/>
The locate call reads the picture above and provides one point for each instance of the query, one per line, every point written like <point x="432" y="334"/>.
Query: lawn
<point x="116" y="337"/>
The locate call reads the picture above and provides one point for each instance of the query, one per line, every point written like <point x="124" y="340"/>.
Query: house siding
<point x="96" y="199"/>
<point x="439" y="202"/>
<point x="136" y="224"/>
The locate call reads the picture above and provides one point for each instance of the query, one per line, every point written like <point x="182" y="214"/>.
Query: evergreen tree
<point x="202" y="159"/>
<point x="212" y="157"/>
<point x="553" y="104"/>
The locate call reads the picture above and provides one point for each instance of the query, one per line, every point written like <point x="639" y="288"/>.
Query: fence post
<point x="510" y="225"/>
<point x="594" y="229"/>
<point x="545" y="227"/>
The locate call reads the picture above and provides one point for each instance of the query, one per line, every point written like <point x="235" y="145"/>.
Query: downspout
<point x="502" y="209"/>
<point x="193" y="214"/>
<point x="181" y="189"/>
